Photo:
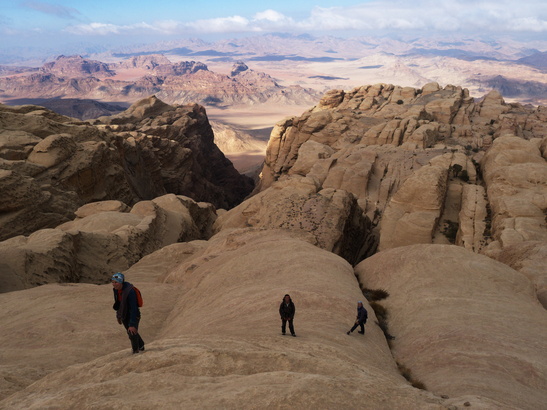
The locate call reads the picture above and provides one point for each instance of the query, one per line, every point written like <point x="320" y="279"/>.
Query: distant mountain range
<point x="141" y="76"/>
<point x="308" y="48"/>
<point x="286" y="69"/>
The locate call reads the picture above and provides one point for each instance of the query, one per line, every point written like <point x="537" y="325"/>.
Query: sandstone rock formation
<point x="76" y="66"/>
<point x="213" y="337"/>
<point x="50" y="164"/>
<point x="177" y="142"/>
<point x="429" y="165"/>
<point x="106" y="237"/>
<point x="380" y="166"/>
<point x="332" y="216"/>
<point x="464" y="324"/>
<point x="515" y="173"/>
<point x="185" y="82"/>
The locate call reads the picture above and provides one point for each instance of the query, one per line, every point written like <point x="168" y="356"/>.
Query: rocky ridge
<point x="175" y="83"/>
<point x="51" y="164"/>
<point x="415" y="160"/>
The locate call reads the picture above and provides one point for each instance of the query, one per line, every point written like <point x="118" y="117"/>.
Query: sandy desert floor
<point x="256" y="120"/>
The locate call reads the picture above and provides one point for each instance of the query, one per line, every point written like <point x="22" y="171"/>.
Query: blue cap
<point x="118" y="277"/>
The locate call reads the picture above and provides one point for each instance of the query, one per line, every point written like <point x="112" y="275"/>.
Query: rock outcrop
<point x="50" y="165"/>
<point x="429" y="165"/>
<point x="77" y="66"/>
<point x="332" y="217"/>
<point x="177" y="143"/>
<point x="105" y="237"/>
<point x="464" y="324"/>
<point x="515" y="173"/>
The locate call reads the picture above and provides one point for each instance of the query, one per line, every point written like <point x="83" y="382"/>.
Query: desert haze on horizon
<point x="64" y="23"/>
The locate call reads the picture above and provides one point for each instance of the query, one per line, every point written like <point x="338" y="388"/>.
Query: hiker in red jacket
<point x="127" y="310"/>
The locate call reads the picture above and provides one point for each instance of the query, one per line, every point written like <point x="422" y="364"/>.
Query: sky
<point x="40" y="23"/>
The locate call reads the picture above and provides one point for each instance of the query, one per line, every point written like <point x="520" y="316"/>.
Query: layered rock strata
<point x="50" y="165"/>
<point x="331" y="216"/>
<point x="429" y="165"/>
<point x="105" y="237"/>
<point x="185" y="82"/>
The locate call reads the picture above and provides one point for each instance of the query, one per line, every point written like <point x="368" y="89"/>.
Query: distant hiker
<point x="360" y="320"/>
<point x="127" y="310"/>
<point x="286" y="311"/>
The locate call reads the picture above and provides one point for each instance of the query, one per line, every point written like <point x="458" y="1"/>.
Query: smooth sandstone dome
<point x="464" y="323"/>
<point x="213" y="337"/>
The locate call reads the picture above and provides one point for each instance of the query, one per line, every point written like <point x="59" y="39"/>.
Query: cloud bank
<point x="445" y="16"/>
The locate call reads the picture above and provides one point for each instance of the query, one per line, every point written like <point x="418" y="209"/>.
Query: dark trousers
<point x="284" y="325"/>
<point x="136" y="341"/>
<point x="362" y="324"/>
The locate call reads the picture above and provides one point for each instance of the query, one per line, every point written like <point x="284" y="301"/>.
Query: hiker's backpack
<point x="139" y="296"/>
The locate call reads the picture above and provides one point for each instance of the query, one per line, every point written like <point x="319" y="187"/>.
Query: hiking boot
<point x="348" y="332"/>
<point x="293" y="335"/>
<point x="283" y="333"/>
<point x="361" y="333"/>
<point x="141" y="349"/>
<point x="135" y="351"/>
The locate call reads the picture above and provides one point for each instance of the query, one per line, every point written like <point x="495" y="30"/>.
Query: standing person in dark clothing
<point x="286" y="311"/>
<point x="127" y="310"/>
<point x="360" y="320"/>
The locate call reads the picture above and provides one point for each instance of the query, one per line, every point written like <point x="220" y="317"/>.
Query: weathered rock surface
<point x="199" y="351"/>
<point x="463" y="323"/>
<point x="177" y="143"/>
<point x="516" y="178"/>
<point x="332" y="216"/>
<point x="106" y="237"/>
<point x="429" y="165"/>
<point x="50" y="165"/>
<point x="515" y="173"/>
<point x="413" y="213"/>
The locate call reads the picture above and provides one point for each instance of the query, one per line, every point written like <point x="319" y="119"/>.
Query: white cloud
<point x="270" y="15"/>
<point x="231" y="24"/>
<point x="443" y="15"/>
<point x="399" y="15"/>
<point x="103" y="29"/>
